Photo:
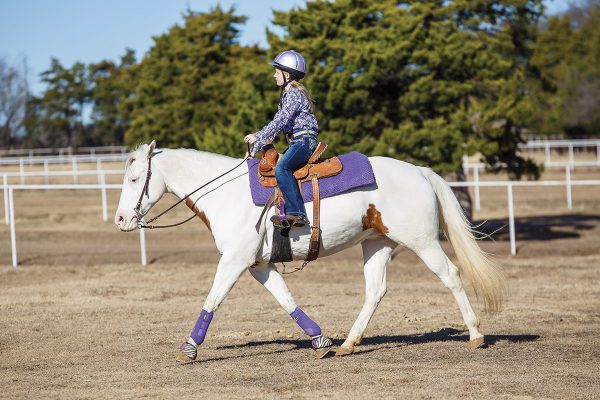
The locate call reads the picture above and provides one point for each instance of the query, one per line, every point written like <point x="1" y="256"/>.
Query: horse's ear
<point x="151" y="147"/>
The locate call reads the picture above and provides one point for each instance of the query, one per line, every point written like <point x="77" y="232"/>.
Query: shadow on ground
<point x="566" y="226"/>
<point x="443" y="335"/>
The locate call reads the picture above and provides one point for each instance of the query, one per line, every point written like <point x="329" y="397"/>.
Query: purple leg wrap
<point x="307" y="324"/>
<point x="199" y="331"/>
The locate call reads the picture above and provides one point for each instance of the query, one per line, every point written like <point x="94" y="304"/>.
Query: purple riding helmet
<point x="291" y="61"/>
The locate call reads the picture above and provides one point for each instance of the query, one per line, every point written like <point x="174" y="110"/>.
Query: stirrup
<point x="284" y="223"/>
<point x="289" y="220"/>
<point x="300" y="220"/>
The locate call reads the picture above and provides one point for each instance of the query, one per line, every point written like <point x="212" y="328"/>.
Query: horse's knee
<point x="376" y="296"/>
<point x="451" y="282"/>
<point x="451" y="278"/>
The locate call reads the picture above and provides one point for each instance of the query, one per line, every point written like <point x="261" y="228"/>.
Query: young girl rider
<point x="296" y="119"/>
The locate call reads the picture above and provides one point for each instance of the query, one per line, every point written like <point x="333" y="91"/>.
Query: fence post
<point x="6" y="205"/>
<point x="511" y="221"/>
<point x="46" y="171"/>
<point x="598" y="152"/>
<point x="13" y="236"/>
<point x="476" y="181"/>
<point x="568" y="182"/>
<point x="143" y="245"/>
<point x="547" y="153"/>
<point x="571" y="157"/>
<point x="103" y="191"/>
<point x="22" y="170"/>
<point x="74" y="162"/>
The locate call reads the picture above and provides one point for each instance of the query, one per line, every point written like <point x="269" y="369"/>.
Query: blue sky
<point x="90" y="31"/>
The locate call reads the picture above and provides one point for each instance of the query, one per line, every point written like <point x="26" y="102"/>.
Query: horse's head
<point x="139" y="193"/>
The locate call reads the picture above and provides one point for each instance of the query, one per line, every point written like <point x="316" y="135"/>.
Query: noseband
<point x="138" y="207"/>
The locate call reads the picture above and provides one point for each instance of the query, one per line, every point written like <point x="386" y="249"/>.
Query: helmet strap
<point x="286" y="82"/>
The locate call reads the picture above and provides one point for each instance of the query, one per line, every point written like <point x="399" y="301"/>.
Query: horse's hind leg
<point x="436" y="260"/>
<point x="376" y="254"/>
<point x="272" y="280"/>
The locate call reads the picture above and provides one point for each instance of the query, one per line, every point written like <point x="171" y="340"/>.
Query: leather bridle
<point x="138" y="207"/>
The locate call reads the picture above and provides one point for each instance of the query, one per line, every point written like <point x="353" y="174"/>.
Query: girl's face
<point x="280" y="76"/>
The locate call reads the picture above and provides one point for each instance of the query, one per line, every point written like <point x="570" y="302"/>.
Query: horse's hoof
<point x="323" y="352"/>
<point x="344" y="351"/>
<point x="181" y="358"/>
<point x="477" y="343"/>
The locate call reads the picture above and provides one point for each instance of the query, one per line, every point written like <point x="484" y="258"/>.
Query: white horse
<point x="406" y="206"/>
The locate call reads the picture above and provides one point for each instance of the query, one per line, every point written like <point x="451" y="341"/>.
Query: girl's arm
<point x="290" y="105"/>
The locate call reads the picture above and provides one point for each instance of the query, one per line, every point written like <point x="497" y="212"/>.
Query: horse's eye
<point x="134" y="180"/>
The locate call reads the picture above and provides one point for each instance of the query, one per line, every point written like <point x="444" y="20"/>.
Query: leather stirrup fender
<point x="315" y="237"/>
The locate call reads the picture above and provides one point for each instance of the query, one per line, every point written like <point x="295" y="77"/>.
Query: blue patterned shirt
<point x="293" y="115"/>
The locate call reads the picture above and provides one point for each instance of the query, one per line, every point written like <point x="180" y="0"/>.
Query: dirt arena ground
<point x="80" y="318"/>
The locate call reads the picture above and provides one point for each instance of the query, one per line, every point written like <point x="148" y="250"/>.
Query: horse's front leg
<point x="272" y="280"/>
<point x="228" y="272"/>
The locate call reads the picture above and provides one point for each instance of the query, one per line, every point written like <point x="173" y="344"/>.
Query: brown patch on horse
<point x="372" y="220"/>
<point x="200" y="214"/>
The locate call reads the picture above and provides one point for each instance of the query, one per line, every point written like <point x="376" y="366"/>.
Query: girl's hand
<point x="251" y="138"/>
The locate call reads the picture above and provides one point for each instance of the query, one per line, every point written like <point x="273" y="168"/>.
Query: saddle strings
<point x="142" y="225"/>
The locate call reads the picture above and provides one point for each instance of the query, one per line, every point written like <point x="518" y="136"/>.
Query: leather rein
<point x="138" y="206"/>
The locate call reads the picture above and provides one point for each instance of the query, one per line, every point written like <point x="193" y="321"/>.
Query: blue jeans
<point x="295" y="156"/>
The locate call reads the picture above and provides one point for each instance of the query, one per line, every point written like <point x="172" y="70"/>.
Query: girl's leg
<point x="295" y="156"/>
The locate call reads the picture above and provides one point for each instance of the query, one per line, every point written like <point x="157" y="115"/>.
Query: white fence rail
<point x="63" y="150"/>
<point x="570" y="145"/>
<point x="548" y="146"/>
<point x="100" y="173"/>
<point x="10" y="210"/>
<point x="10" y="213"/>
<point x="62" y="159"/>
<point x="568" y="184"/>
<point x="476" y="184"/>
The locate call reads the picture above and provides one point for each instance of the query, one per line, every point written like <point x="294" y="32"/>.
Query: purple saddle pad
<point x="356" y="172"/>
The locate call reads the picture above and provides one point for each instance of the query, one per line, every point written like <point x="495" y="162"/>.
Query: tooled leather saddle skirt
<point x="314" y="168"/>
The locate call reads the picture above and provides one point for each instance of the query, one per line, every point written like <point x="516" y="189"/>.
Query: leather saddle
<point x="314" y="167"/>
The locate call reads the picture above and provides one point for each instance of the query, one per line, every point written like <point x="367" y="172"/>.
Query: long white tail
<point x="485" y="276"/>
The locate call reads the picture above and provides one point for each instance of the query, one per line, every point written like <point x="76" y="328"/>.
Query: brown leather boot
<point x="297" y="220"/>
<point x="290" y="220"/>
